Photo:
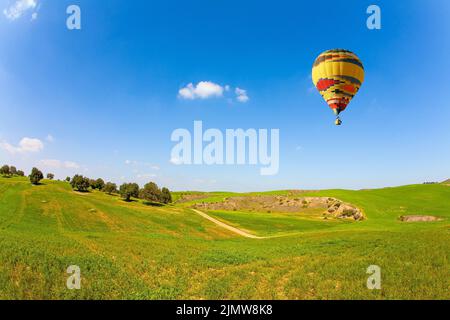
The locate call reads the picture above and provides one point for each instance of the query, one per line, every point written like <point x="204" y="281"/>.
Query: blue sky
<point x="104" y="100"/>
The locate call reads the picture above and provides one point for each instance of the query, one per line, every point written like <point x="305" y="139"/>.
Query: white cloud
<point x="176" y="161"/>
<point x="57" y="164"/>
<point x="50" y="138"/>
<point x="241" y="95"/>
<point x="203" y="90"/>
<point x="146" y="176"/>
<point x="142" y="164"/>
<point x="34" y="16"/>
<point x="26" y="145"/>
<point x="50" y="163"/>
<point x="71" y="165"/>
<point x="18" y="8"/>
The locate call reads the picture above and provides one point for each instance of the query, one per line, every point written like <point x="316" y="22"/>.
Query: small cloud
<point x="57" y="164"/>
<point x="299" y="148"/>
<point x="71" y="165"/>
<point x="50" y="138"/>
<point x="18" y="8"/>
<point x="26" y="145"/>
<point x="141" y="164"/>
<point x="176" y="161"/>
<point x="34" y="16"/>
<point x="203" y="90"/>
<point x="242" y="95"/>
<point x="146" y="176"/>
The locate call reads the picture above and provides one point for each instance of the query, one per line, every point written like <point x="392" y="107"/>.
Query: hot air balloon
<point x="338" y="74"/>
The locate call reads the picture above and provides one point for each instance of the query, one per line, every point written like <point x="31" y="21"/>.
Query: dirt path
<point x="228" y="227"/>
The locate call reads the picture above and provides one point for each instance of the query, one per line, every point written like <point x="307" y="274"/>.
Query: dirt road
<point x="228" y="227"/>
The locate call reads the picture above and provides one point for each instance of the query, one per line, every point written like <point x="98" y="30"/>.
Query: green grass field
<point x="135" y="251"/>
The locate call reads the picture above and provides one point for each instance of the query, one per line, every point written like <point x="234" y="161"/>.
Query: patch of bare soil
<point x="418" y="218"/>
<point x="332" y="208"/>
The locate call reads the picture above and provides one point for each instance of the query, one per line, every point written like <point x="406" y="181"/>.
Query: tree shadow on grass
<point x="153" y="204"/>
<point x="82" y="191"/>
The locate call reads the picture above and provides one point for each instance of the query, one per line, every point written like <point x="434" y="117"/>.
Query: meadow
<point x="137" y="251"/>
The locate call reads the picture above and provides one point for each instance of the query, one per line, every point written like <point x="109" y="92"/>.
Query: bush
<point x="150" y="192"/>
<point x="50" y="176"/>
<point x="80" y="183"/>
<point x="166" y="196"/>
<point x="128" y="190"/>
<point x="110" y="188"/>
<point x="5" y="170"/>
<point x="36" y="176"/>
<point x="68" y="179"/>
<point x="98" y="184"/>
<point x="20" y="173"/>
<point x="12" y="170"/>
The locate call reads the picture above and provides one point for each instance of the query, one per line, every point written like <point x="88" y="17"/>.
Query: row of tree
<point x="9" y="171"/>
<point x="35" y="176"/>
<point x="151" y="192"/>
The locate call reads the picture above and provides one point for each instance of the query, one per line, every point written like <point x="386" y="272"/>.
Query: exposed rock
<point x="419" y="218"/>
<point x="333" y="208"/>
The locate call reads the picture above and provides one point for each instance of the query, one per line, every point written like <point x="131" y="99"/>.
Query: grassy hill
<point x="134" y="251"/>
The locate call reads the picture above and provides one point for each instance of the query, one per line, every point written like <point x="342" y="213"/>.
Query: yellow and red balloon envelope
<point x="338" y="75"/>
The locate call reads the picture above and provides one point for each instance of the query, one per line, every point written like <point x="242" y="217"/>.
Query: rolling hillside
<point x="134" y="251"/>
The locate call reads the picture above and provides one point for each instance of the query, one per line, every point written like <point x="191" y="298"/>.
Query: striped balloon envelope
<point x="338" y="75"/>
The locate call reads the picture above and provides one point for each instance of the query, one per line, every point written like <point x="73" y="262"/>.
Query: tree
<point x="151" y="192"/>
<point x="36" y="176"/>
<point x="128" y="190"/>
<point x="97" y="184"/>
<point x="100" y="183"/>
<point x="92" y="183"/>
<point x="68" y="179"/>
<point x="166" y="196"/>
<point x="20" y="173"/>
<point x="80" y="183"/>
<point x="5" y="170"/>
<point x="50" y="176"/>
<point x="12" y="170"/>
<point x="110" y="188"/>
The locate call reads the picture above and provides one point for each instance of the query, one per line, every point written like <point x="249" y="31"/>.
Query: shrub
<point x="4" y="170"/>
<point x="151" y="192"/>
<point x="20" y="173"/>
<point x="166" y="196"/>
<point x="80" y="183"/>
<point x="128" y="190"/>
<point x="50" y="176"/>
<point x="110" y="188"/>
<point x="12" y="170"/>
<point x="36" y="176"/>
<point x="98" y="184"/>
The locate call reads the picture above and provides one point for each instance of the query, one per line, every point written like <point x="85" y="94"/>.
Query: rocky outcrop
<point x="332" y="208"/>
<point x="341" y="210"/>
